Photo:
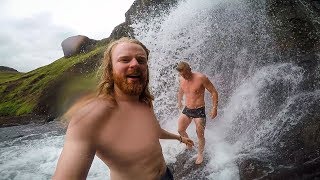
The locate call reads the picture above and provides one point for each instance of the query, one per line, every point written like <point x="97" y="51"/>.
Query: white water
<point x="36" y="159"/>
<point x="227" y="41"/>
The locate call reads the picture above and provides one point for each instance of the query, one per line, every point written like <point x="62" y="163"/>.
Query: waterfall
<point x="226" y="40"/>
<point x="260" y="97"/>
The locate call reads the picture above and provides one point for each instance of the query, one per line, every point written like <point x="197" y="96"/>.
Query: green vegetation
<point x="20" y="92"/>
<point x="9" y="76"/>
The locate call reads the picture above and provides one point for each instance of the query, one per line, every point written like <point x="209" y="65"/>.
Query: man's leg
<point x="183" y="123"/>
<point x="200" y="127"/>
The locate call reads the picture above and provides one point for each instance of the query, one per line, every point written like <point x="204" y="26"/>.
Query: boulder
<point x="77" y="44"/>
<point x="253" y="169"/>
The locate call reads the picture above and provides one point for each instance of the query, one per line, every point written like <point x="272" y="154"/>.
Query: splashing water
<point x="35" y="152"/>
<point x="258" y="95"/>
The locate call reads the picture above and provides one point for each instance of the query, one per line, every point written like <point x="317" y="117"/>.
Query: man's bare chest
<point x="129" y="135"/>
<point x="192" y="87"/>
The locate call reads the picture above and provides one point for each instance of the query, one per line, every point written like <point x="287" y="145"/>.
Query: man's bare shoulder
<point x="181" y="78"/>
<point x="201" y="75"/>
<point x="91" y="113"/>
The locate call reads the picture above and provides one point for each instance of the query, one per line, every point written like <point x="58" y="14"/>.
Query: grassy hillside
<point x="21" y="92"/>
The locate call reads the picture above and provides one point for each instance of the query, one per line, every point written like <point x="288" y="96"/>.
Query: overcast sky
<point x="32" y="30"/>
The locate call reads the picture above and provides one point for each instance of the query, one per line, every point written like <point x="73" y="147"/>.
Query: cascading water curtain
<point x="228" y="41"/>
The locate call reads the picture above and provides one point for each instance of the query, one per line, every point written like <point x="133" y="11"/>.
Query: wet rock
<point x="308" y="170"/>
<point x="8" y="121"/>
<point x="253" y="168"/>
<point x="293" y="25"/>
<point x="185" y="167"/>
<point x="256" y="169"/>
<point x="122" y="30"/>
<point x="144" y="10"/>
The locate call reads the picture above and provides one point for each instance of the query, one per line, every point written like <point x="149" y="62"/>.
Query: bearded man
<point x="118" y="124"/>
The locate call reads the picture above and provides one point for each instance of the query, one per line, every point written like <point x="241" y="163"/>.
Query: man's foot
<point x="199" y="159"/>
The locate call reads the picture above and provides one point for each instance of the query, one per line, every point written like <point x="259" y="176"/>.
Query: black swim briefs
<point x="195" y="113"/>
<point x="167" y="176"/>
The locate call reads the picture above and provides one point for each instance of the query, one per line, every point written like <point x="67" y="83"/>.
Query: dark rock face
<point x="122" y="30"/>
<point x="185" y="167"/>
<point x="143" y="10"/>
<point x="294" y="25"/>
<point x="7" y="69"/>
<point x="296" y="30"/>
<point x="255" y="169"/>
<point x="77" y="44"/>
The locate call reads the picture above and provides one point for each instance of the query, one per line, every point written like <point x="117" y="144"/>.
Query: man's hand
<point x="187" y="141"/>
<point x="213" y="113"/>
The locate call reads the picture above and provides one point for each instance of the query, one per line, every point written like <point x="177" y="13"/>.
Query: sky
<point x="32" y="31"/>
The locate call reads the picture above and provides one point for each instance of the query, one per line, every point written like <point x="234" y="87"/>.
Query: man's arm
<point x="214" y="95"/>
<point x="180" y="96"/>
<point x="163" y="134"/>
<point x="77" y="155"/>
<point x="167" y="135"/>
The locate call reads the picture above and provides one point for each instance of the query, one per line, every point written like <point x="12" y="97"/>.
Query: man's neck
<point x="123" y="97"/>
<point x="189" y="78"/>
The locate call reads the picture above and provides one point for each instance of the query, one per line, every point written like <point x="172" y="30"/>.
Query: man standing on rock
<point x="118" y="125"/>
<point x="192" y="86"/>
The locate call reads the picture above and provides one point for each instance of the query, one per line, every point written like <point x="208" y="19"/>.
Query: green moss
<point x="25" y="108"/>
<point x="75" y="88"/>
<point x="26" y="88"/>
<point x="2" y="88"/>
<point x="8" y="108"/>
<point x="15" y="108"/>
<point x="9" y="76"/>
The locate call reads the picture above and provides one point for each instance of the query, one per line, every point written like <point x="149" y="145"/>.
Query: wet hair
<point x="183" y="66"/>
<point x="105" y="87"/>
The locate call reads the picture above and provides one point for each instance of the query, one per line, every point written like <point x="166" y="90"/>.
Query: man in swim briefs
<point x="192" y="86"/>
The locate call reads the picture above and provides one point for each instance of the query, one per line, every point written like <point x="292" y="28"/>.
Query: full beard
<point x="130" y="88"/>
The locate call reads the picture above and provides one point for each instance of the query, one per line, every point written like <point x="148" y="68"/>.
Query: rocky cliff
<point x="296" y="29"/>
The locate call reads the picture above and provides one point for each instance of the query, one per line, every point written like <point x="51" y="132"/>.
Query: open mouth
<point x="133" y="76"/>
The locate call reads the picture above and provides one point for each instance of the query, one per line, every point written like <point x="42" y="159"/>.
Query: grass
<point x="7" y="76"/>
<point x="20" y="92"/>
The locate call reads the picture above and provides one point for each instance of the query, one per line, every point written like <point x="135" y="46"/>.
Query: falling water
<point x="229" y="41"/>
<point x="259" y="95"/>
